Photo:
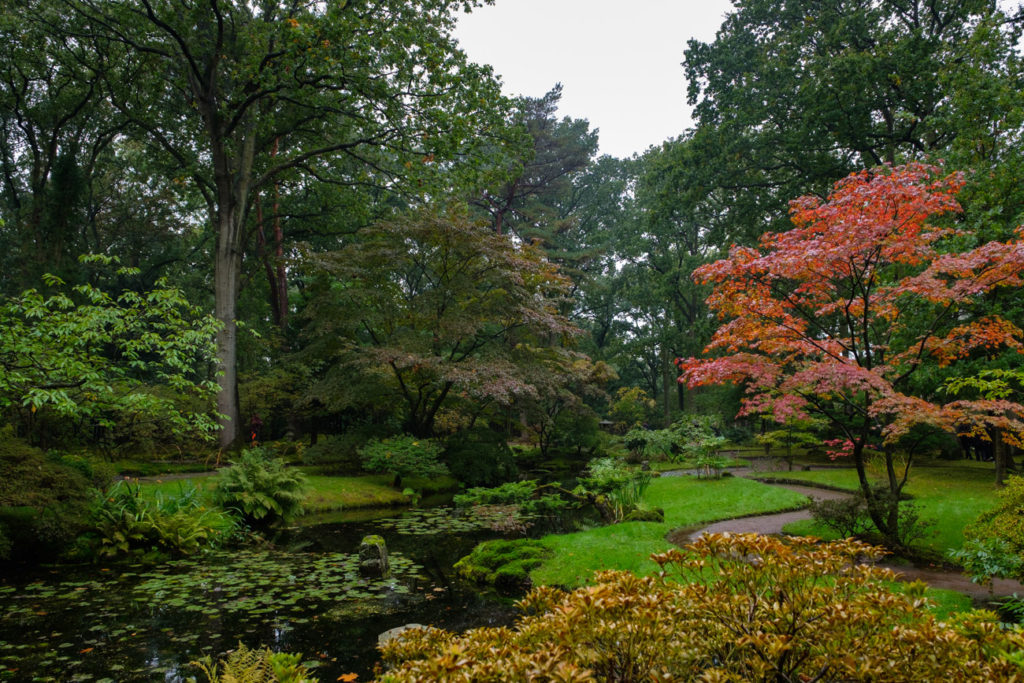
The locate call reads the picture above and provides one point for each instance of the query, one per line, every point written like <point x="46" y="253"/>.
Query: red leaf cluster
<point x="846" y="306"/>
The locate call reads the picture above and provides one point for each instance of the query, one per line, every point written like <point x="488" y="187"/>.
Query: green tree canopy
<point x="233" y="97"/>
<point x="432" y="310"/>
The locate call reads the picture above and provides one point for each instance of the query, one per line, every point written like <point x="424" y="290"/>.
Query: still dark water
<point x="146" y="623"/>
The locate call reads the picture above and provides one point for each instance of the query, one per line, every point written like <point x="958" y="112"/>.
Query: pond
<point x="147" y="622"/>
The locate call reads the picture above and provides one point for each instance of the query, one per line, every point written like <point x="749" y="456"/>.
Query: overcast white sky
<point x="619" y="62"/>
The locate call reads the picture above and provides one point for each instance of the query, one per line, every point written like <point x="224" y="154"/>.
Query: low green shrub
<point x="528" y="495"/>
<point x="984" y="559"/>
<point x="846" y="516"/>
<point x="260" y="489"/>
<point x="336" y="452"/>
<point x="645" y="515"/>
<point x="403" y="456"/>
<point x="653" y="444"/>
<point x="44" y="504"/>
<point x="1004" y="522"/>
<point x="125" y="523"/>
<point x="619" y="487"/>
<point x="504" y="565"/>
<point x="99" y="473"/>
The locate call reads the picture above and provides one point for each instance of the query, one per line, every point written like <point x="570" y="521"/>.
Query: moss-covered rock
<point x="645" y="515"/>
<point x="373" y="557"/>
<point x="504" y="565"/>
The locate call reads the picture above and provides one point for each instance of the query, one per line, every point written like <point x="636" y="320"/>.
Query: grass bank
<point x="324" y="493"/>
<point x="687" y="501"/>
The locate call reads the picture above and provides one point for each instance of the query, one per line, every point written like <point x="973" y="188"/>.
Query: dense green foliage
<point x="995" y="541"/>
<point x="528" y="495"/>
<point x="260" y="488"/>
<point x="480" y="456"/>
<point x="255" y="666"/>
<point x="117" y="364"/>
<point x="504" y="565"/>
<point x="432" y="314"/>
<point x="43" y="503"/>
<point x="404" y="456"/>
<point x="125" y="523"/>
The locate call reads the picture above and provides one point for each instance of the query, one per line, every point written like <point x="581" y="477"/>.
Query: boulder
<point x="373" y="557"/>
<point x="394" y="632"/>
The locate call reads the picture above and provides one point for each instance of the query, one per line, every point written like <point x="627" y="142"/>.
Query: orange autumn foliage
<point x="730" y="608"/>
<point x="834" y="316"/>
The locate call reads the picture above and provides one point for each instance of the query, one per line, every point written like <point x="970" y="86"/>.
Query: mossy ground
<point x="505" y="565"/>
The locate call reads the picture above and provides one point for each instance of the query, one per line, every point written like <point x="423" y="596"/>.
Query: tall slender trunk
<point x="233" y="175"/>
<point x="883" y="509"/>
<point x="282" y="280"/>
<point x="277" y="282"/>
<point x="226" y="271"/>
<point x="666" y="386"/>
<point x="268" y="269"/>
<point x="999" y="454"/>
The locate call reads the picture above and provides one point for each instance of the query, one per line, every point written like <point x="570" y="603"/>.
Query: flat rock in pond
<point x="394" y="632"/>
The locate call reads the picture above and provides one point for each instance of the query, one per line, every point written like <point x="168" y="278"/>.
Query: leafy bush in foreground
<point x="255" y="666"/>
<point x="730" y="608"/>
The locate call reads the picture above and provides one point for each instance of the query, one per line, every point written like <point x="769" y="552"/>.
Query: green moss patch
<point x="505" y="565"/>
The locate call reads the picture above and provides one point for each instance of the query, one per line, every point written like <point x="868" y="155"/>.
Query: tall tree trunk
<point x="666" y="385"/>
<point x="232" y="185"/>
<point x="999" y="454"/>
<point x="226" y="271"/>
<point x="281" y="279"/>
<point x="268" y="269"/>
<point x="881" y="511"/>
<point x="277" y="282"/>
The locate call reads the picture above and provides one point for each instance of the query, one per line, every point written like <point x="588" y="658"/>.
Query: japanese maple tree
<point x="836" y="316"/>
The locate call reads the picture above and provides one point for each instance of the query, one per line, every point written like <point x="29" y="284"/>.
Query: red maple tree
<point x="835" y="316"/>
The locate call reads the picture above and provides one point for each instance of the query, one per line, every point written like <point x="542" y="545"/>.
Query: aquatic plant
<point x="111" y="621"/>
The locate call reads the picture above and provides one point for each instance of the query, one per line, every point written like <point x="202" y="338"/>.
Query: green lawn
<point x="325" y="493"/>
<point x="950" y="493"/>
<point x="687" y="502"/>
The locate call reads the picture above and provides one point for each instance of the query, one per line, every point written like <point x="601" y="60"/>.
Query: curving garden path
<point x="936" y="577"/>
